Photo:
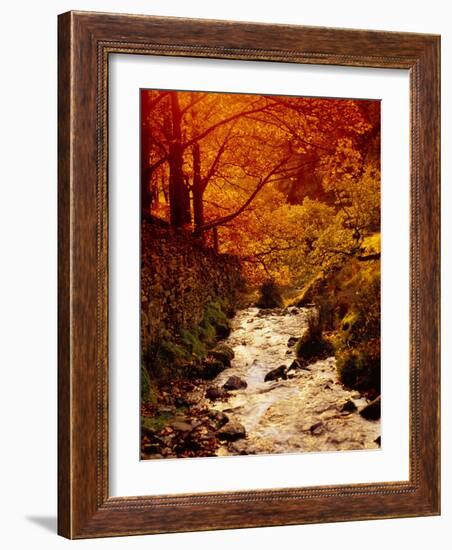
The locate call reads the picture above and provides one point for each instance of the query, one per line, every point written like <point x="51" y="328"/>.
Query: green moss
<point x="207" y="333"/>
<point x="155" y="423"/>
<point x="180" y="355"/>
<point x="145" y="383"/>
<point x="170" y="352"/>
<point x="214" y="314"/>
<point x="310" y="291"/>
<point x="190" y="340"/>
<point x="349" y="320"/>
<point x="312" y="345"/>
<point x="164" y="359"/>
<point x="357" y="340"/>
<point x="215" y="323"/>
<point x="146" y="389"/>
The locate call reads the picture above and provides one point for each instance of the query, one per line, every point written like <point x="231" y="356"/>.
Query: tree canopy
<point x="291" y="185"/>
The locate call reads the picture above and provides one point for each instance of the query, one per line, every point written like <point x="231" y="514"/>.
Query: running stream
<point x="302" y="413"/>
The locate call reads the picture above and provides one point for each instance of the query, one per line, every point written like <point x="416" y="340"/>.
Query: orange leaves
<point x="302" y="173"/>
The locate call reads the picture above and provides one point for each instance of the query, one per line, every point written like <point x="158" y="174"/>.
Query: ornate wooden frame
<point x="85" y="42"/>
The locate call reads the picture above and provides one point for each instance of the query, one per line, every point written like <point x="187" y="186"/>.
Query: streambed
<point x="302" y="413"/>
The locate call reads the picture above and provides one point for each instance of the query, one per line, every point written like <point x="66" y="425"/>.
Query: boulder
<point x="297" y="365"/>
<point x="214" y="392"/>
<point x="234" y="383"/>
<point x="181" y="402"/>
<point x="276" y="374"/>
<point x="225" y="349"/>
<point x="348" y="406"/>
<point x="220" y="356"/>
<point x="185" y="444"/>
<point x="222" y="353"/>
<point x="372" y="411"/>
<point x="210" y="368"/>
<point x="232" y="431"/>
<point x="181" y="426"/>
<point x="167" y="409"/>
<point x="145" y="431"/>
<point x="223" y="331"/>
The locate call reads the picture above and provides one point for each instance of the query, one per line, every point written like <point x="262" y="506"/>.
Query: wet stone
<point x="348" y="406"/>
<point x="276" y="374"/>
<point x="232" y="431"/>
<point x="317" y="428"/>
<point x="235" y="383"/>
<point x="372" y="411"/>
<point x="214" y="392"/>
<point x="181" y="426"/>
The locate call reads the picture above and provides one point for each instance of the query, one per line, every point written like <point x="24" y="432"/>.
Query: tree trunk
<point x="146" y="193"/>
<point x="145" y="172"/>
<point x="178" y="194"/>
<point x="198" y="191"/>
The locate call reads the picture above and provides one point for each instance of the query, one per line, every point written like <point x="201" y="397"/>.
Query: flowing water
<point x="302" y="413"/>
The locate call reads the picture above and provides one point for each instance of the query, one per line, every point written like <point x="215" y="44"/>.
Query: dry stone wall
<point x="179" y="277"/>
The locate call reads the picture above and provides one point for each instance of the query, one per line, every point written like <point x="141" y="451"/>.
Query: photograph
<point x="260" y="253"/>
<point x="225" y="231"/>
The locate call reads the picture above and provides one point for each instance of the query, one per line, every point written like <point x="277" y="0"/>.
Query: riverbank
<point x="303" y="408"/>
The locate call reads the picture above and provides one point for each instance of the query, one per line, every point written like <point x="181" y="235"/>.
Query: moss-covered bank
<point x="186" y="354"/>
<point x="348" y="297"/>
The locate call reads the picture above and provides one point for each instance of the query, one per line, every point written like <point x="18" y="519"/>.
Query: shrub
<point x="270" y="296"/>
<point x="312" y="345"/>
<point x="359" y="368"/>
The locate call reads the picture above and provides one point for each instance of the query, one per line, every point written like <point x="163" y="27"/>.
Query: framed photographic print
<point x="248" y="275"/>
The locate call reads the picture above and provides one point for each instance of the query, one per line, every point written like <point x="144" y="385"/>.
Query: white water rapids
<point x="302" y="413"/>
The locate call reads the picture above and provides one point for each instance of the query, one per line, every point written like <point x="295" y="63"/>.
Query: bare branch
<point x="196" y="100"/>
<point x="216" y="160"/>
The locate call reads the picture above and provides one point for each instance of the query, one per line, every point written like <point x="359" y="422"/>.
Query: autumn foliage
<point x="290" y="185"/>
